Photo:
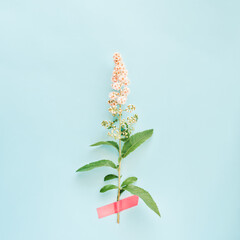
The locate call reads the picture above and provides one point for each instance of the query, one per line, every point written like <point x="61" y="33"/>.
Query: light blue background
<point x="55" y="70"/>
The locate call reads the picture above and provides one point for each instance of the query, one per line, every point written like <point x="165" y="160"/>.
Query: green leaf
<point x="100" y="163"/>
<point x="135" y="141"/>
<point x="128" y="181"/>
<point x="112" y="143"/>
<point x="144" y="195"/>
<point x="110" y="177"/>
<point x="107" y="188"/>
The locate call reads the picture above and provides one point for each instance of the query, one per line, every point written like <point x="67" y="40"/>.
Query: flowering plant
<point x="121" y="130"/>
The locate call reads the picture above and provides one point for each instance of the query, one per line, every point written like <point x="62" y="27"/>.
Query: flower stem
<point x="119" y="162"/>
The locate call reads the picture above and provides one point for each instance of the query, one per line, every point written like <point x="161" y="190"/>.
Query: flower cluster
<point x="109" y="124"/>
<point x="130" y="108"/>
<point x="120" y="83"/>
<point x="114" y="131"/>
<point x="126" y="127"/>
<point x="117" y="98"/>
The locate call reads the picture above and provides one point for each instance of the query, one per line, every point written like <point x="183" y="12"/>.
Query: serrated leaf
<point x="111" y="143"/>
<point x="107" y="188"/>
<point x="100" y="163"/>
<point x="144" y="195"/>
<point x="135" y="141"/>
<point x="128" y="181"/>
<point x="110" y="177"/>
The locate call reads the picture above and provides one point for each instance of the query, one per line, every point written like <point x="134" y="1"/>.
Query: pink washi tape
<point x="117" y="206"/>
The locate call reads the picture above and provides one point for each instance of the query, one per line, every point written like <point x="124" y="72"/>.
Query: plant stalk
<point x="119" y="162"/>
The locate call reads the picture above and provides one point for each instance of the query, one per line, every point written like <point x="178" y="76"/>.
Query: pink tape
<point x="117" y="206"/>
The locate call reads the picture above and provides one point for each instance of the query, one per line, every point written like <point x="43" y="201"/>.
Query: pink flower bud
<point x="122" y="100"/>
<point x="116" y="86"/>
<point x="114" y="78"/>
<point x="126" y="91"/>
<point x="112" y="103"/>
<point x="122" y="78"/>
<point x="113" y="95"/>
<point x="126" y="82"/>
